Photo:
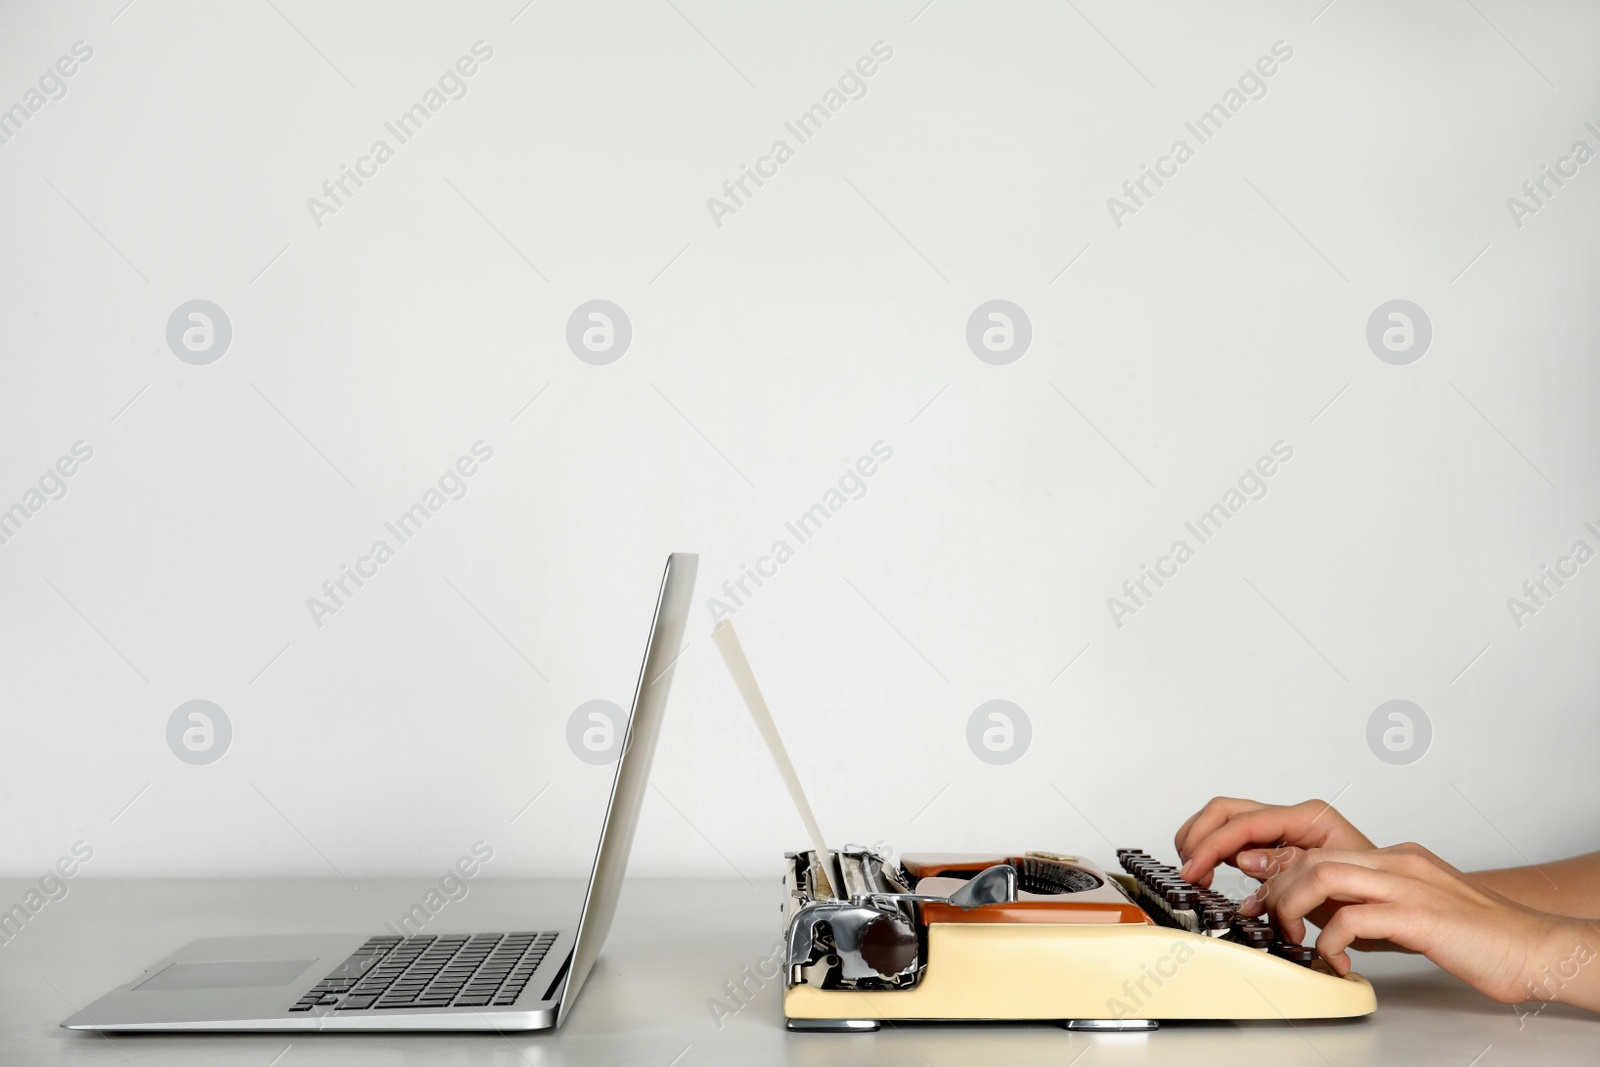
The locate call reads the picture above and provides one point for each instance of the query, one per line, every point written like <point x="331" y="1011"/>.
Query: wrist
<point x="1561" y="968"/>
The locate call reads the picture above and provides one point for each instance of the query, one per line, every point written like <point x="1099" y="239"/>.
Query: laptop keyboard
<point x="448" y="971"/>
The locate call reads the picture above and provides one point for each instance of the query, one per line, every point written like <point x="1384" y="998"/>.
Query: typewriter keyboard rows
<point x="448" y="971"/>
<point x="1173" y="902"/>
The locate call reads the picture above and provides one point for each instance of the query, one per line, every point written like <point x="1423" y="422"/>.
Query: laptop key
<point x="431" y="972"/>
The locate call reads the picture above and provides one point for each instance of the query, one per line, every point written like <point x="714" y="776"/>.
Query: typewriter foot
<point x="832" y="1026"/>
<point x="1105" y="1026"/>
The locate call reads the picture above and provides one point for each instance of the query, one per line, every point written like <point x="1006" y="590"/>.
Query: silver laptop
<point x="524" y="980"/>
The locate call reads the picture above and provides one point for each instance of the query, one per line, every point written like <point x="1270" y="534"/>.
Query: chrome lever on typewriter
<point x="992" y="885"/>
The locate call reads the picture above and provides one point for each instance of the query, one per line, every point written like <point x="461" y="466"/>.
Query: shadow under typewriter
<point x="1037" y="937"/>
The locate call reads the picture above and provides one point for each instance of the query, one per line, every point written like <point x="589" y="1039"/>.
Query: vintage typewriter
<point x="1039" y="936"/>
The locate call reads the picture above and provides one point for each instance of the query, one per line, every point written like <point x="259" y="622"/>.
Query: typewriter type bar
<point x="1038" y="936"/>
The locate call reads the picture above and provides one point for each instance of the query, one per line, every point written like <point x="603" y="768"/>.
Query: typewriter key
<point x="1182" y="899"/>
<point x="1301" y="954"/>
<point x="1254" y="934"/>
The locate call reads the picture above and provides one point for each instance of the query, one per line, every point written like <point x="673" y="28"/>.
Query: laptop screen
<point x="633" y="769"/>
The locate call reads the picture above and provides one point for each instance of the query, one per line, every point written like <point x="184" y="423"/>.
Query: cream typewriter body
<point x="1040" y="936"/>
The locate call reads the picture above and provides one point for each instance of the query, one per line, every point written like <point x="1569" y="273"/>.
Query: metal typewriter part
<point x="871" y="936"/>
<point x="1038" y="936"/>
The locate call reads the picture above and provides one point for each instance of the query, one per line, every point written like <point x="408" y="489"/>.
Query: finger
<point x="1213" y="814"/>
<point x="1282" y="868"/>
<point x="1275" y="868"/>
<point x="1395" y="859"/>
<point x="1279" y="869"/>
<point x="1265" y="865"/>
<point x="1312" y="884"/>
<point x="1358" y="922"/>
<point x="1263" y="826"/>
<point x="1256" y="905"/>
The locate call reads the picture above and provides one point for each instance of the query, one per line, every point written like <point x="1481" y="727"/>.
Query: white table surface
<point x="674" y="944"/>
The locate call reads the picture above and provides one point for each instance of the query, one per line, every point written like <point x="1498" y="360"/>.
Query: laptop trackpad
<point x="226" y="974"/>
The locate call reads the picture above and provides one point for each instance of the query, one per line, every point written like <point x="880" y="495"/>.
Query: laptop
<point x="519" y="980"/>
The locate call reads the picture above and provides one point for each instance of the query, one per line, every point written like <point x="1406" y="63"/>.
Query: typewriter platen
<point x="1038" y="936"/>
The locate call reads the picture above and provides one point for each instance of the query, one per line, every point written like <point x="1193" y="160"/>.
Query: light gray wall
<point x="1172" y="346"/>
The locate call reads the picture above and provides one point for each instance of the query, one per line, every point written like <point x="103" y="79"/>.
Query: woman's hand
<point x="1407" y="897"/>
<point x="1226" y="826"/>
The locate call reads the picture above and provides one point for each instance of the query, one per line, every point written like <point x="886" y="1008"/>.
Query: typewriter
<point x="1041" y="936"/>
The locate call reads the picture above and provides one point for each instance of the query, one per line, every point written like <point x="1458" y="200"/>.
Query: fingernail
<point x="1184" y="871"/>
<point x="1252" y="862"/>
